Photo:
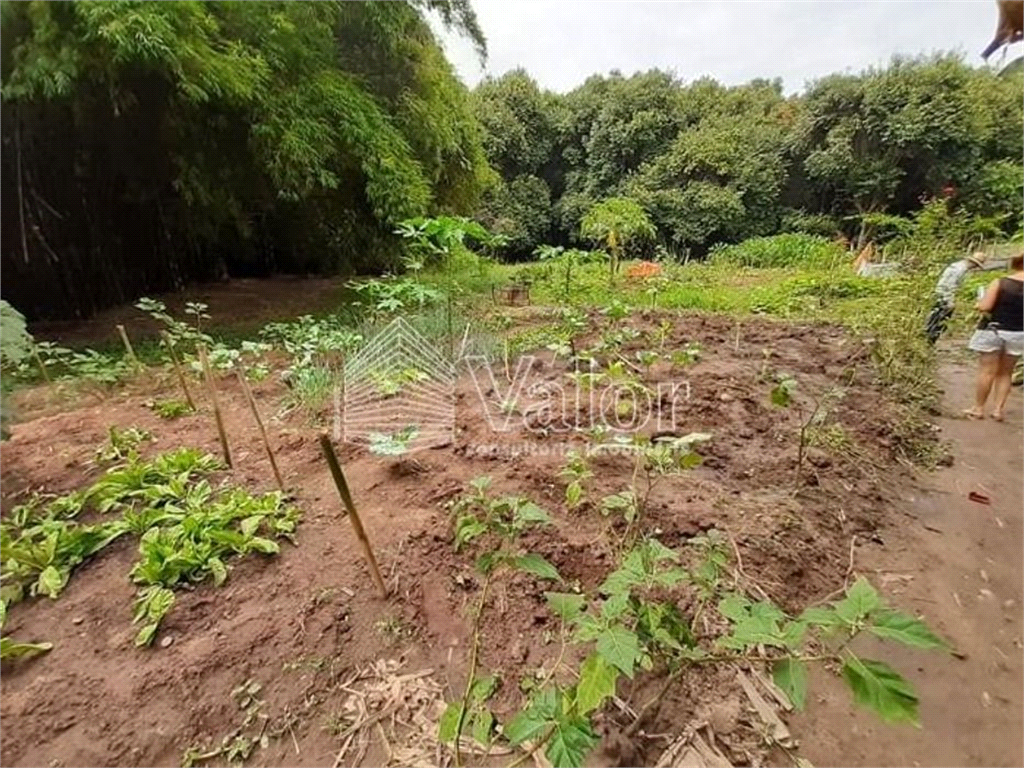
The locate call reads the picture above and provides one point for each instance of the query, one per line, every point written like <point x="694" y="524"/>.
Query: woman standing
<point x="999" y="339"/>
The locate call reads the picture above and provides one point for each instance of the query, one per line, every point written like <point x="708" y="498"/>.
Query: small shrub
<point x="170" y="409"/>
<point x="787" y="250"/>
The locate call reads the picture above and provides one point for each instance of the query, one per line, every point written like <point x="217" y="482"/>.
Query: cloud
<point x="562" y="42"/>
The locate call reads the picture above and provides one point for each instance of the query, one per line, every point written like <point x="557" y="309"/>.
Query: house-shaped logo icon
<point x="399" y="385"/>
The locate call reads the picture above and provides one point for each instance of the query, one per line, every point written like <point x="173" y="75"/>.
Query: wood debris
<point x="776" y="728"/>
<point x="400" y="711"/>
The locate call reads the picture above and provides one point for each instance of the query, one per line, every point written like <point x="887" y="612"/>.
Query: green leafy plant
<point x="170" y="409"/>
<point x="187" y="531"/>
<point x="652" y="462"/>
<point x="783" y="396"/>
<point x="179" y="331"/>
<point x="122" y="443"/>
<point x="576" y="472"/>
<point x="688" y="355"/>
<point x="634" y="626"/>
<point x="15" y="348"/>
<point x="394" y="444"/>
<point x="497" y="522"/>
<point x="13" y="649"/>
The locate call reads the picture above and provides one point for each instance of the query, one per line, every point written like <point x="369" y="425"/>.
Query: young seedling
<point x="686" y="356"/>
<point x="576" y="472"/>
<point x="478" y="516"/>
<point x="782" y="396"/>
<point x="169" y="409"/>
<point x="394" y="444"/>
<point x="122" y="443"/>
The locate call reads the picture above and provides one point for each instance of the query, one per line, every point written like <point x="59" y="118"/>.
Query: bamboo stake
<point x="259" y="423"/>
<point x="346" y="498"/>
<point x="39" y="362"/>
<point x="212" y="389"/>
<point x="177" y="369"/>
<point x="128" y="348"/>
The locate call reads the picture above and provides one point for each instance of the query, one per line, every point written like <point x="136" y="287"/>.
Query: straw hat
<point x="977" y="259"/>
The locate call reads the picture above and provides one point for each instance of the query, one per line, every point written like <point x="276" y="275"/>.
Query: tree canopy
<point x="710" y="163"/>
<point x="147" y="144"/>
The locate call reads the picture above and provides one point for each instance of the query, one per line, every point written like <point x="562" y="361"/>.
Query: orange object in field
<point x="643" y="269"/>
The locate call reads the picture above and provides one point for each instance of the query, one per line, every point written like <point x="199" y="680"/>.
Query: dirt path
<point x="960" y="565"/>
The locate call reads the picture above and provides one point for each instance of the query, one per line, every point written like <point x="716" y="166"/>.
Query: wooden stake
<point x="212" y="389"/>
<point x="128" y="348"/>
<point x="346" y="498"/>
<point x="177" y="369"/>
<point x="42" y="367"/>
<point x="259" y="422"/>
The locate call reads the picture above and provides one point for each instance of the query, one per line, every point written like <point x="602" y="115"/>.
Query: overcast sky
<point x="561" y="42"/>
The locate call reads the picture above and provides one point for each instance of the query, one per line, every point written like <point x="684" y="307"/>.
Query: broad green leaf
<point x="565" y="605"/>
<point x="879" y="687"/>
<point x="537" y="565"/>
<point x="530" y="513"/>
<point x="570" y="743"/>
<point x="615" y="606"/>
<point x="658" y="551"/>
<point x="822" y="617"/>
<point x="861" y="599"/>
<point x="11" y="649"/>
<point x="250" y="525"/>
<point x="893" y="625"/>
<point x="483" y="688"/>
<point x="449" y="722"/>
<point x="791" y="676"/>
<point x="597" y="683"/>
<point x="218" y="569"/>
<point x="573" y="494"/>
<point x="527" y="725"/>
<point x="620" y="647"/>
<point x="51" y="582"/>
<point x="587" y="628"/>
<point x="467" y="528"/>
<point x="146" y="634"/>
<point x="767" y="611"/>
<point x="266" y="546"/>
<point x="793" y="634"/>
<point x="3" y="613"/>
<point x="483" y="726"/>
<point x="734" y="606"/>
<point x="671" y="577"/>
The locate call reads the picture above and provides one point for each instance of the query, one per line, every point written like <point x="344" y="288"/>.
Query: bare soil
<point x="300" y="623"/>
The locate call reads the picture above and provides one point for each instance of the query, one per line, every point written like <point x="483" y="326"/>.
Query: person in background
<point x="999" y="340"/>
<point x="945" y="293"/>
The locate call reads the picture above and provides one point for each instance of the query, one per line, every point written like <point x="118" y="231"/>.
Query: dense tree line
<point x="146" y="144"/>
<point x="711" y="164"/>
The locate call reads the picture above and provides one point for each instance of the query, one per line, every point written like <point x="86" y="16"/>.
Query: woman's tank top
<point x="1009" y="308"/>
